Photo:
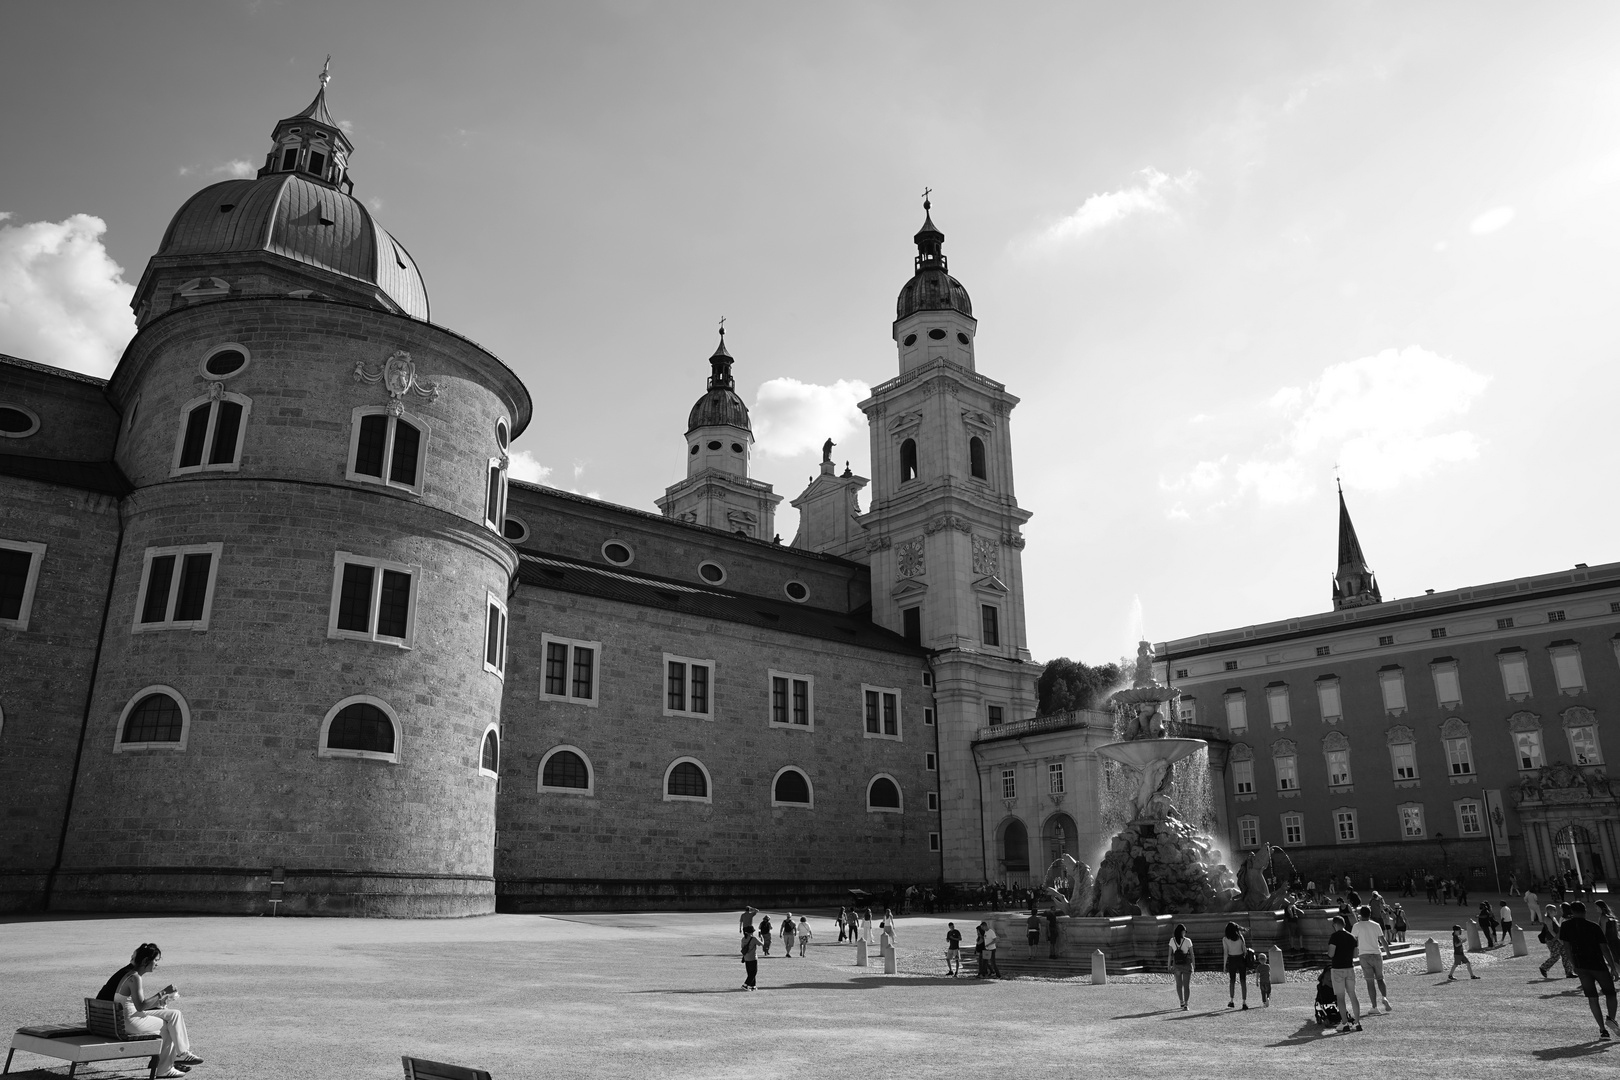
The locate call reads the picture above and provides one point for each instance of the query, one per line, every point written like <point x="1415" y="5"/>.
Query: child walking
<point x="1262" y="975"/>
<point x="1458" y="956"/>
<point x="804" y="934"/>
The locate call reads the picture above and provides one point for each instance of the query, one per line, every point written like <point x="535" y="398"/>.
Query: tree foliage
<point x="1068" y="684"/>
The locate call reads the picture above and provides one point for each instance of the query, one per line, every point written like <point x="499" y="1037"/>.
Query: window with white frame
<point x="1515" y="667"/>
<point x="177" y="587"/>
<point x="1580" y="727"/>
<point x="156" y="718"/>
<point x="19" y="575"/>
<point x="1459" y="747"/>
<point x="495" y="635"/>
<point x="1054" y="778"/>
<point x="1237" y="712"/>
<point x="883" y="795"/>
<point x="1248" y="832"/>
<point x="567" y="771"/>
<point x="882" y="711"/>
<point x="1277" y="705"/>
<point x="933" y="841"/>
<point x="928" y="717"/>
<point x="792" y="700"/>
<point x="686" y="780"/>
<point x="1411" y="816"/>
<point x="995" y="715"/>
<point x="791" y="787"/>
<point x="361" y="726"/>
<point x="1469" y="821"/>
<point x="489" y="754"/>
<point x="1187" y="710"/>
<point x="931" y="762"/>
<point x="1293" y="829"/>
<point x="1009" y="783"/>
<point x="1392" y="682"/>
<point x="495" y="494"/>
<point x="1328" y="700"/>
<point x="387" y="449"/>
<point x="1527" y="745"/>
<point x="373" y="600"/>
<point x="1447" y="683"/>
<point x="211" y="431"/>
<point x="1243" y="777"/>
<point x="1336" y="752"/>
<point x="1402" y="753"/>
<point x="569" y="671"/>
<point x="1566" y="661"/>
<point x="1285" y="760"/>
<point x="1344" y="825"/>
<point x="688" y="687"/>
<point x="933" y="800"/>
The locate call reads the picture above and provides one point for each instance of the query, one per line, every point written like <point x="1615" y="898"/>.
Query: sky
<point x="1223" y="253"/>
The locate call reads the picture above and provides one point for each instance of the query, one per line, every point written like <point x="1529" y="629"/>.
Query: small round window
<point x="224" y="361"/>
<point x="936" y="334"/>
<point x="17" y="422"/>
<point x="714" y="444"/>
<point x="515" y="531"/>
<point x="796" y="591"/>
<point x="911" y="339"/>
<point x="618" y="553"/>
<point x="502" y="436"/>
<point x="736" y="448"/>
<point x="695" y="449"/>
<point x="963" y="338"/>
<point x="713" y="573"/>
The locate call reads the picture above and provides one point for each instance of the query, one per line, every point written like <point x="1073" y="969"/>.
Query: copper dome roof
<point x="932" y="290"/>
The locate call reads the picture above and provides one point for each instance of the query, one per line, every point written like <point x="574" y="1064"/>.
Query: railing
<point x="1036" y="726"/>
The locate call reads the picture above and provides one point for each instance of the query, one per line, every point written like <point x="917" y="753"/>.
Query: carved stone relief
<point x="398" y="374"/>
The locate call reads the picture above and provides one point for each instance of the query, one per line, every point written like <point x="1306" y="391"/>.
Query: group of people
<point x="756" y="939"/>
<point x="151" y="1014"/>
<point x="984" y="951"/>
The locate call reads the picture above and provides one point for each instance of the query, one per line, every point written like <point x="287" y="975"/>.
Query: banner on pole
<point x="1497" y="820"/>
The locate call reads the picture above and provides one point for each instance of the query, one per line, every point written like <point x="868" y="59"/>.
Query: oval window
<point x="501" y="434"/>
<point x="963" y="338"/>
<point x="711" y="572"/>
<point x="911" y="339"/>
<point x="936" y="334"/>
<point x="17" y="422"/>
<point x="736" y="448"/>
<point x="225" y="361"/>
<point x="714" y="444"/>
<point x="515" y="531"/>
<point x="796" y="591"/>
<point x="694" y="448"/>
<point x="618" y="553"/>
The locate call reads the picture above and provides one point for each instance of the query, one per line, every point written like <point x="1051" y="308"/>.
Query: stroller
<point x="1327" y="1003"/>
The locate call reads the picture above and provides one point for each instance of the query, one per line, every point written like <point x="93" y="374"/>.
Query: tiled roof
<point x="103" y="477"/>
<point x="46" y="369"/>
<point x="572" y="576"/>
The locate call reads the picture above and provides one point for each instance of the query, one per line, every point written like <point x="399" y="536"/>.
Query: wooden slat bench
<point x="102" y="1038"/>
<point x="423" y="1069"/>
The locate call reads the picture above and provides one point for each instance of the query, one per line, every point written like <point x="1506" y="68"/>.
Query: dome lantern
<point x="312" y="144"/>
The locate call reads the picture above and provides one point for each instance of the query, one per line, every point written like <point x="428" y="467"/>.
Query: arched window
<point x="156" y="718"/>
<point x="360" y="727"/>
<point x="883" y="796"/>
<point x="908" y="460"/>
<point x="567" y="770"/>
<point x="1015" y="847"/>
<point x="791" y="788"/>
<point x="1060" y="836"/>
<point x="387" y="449"/>
<point x="976" y="458"/>
<point x="489" y="756"/>
<point x="211" y="431"/>
<point x="687" y="780"/>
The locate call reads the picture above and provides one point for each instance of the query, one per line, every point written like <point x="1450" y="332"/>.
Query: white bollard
<point x="1431" y="953"/>
<point x="1519" y="947"/>
<point x="1279" y="970"/>
<point x="1099" y="968"/>
<point x="888" y="956"/>
<point x="860" y="952"/>
<point x="1473" y="935"/>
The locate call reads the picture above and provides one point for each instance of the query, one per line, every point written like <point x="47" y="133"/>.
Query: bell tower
<point x="943" y="534"/>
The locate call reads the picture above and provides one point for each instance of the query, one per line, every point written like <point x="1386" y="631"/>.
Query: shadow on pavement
<point x="866" y="983"/>
<point x="1555" y="1053"/>
<point x="1309" y="1032"/>
<point x="1143" y="1015"/>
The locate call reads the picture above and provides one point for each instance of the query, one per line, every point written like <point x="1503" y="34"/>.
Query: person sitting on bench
<point x="151" y="1014"/>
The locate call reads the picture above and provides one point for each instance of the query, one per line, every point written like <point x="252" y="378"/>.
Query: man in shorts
<point x="1584" y="945"/>
<point x="1342" y="947"/>
<point x="1370" y="943"/>
<point x="953" y="949"/>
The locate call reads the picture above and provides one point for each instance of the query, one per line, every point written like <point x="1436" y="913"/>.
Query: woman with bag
<point x="1236" y="949"/>
<point x="1181" y="964"/>
<point x="1550" y="924"/>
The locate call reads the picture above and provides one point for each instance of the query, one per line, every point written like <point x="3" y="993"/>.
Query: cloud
<point x="1491" y="220"/>
<point x="1383" y="420"/>
<point x="1154" y="196"/>
<point x="239" y="168"/>
<point x="792" y="418"/>
<point x="63" y="301"/>
<point x="525" y="466"/>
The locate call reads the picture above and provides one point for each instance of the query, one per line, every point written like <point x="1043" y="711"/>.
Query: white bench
<point x="103" y="1038"/>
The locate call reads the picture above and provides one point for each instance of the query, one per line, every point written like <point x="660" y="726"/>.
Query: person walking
<point x="1458" y="956"/>
<point x="1181" y="962"/>
<point x="1235" y="949"/>
<point x="1262" y="976"/>
<point x="1400" y="923"/>
<point x="804" y="934"/>
<point x="842" y="913"/>
<point x="765" y="935"/>
<point x="1032" y="931"/>
<point x="746" y="920"/>
<point x="1462" y="892"/>
<point x="953" y="950"/>
<point x="990" y="951"/>
<point x="750" y="958"/>
<point x="1584" y="944"/>
<point x="866" y="925"/>
<point x="979" y="954"/>
<point x="1342" y="947"/>
<point x="1532" y="904"/>
<point x="1487" y="924"/>
<point x="1611" y="936"/>
<point x="790" y="930"/>
<point x="1370" y="945"/>
<point x="1549" y="937"/>
<point x="1504" y="920"/>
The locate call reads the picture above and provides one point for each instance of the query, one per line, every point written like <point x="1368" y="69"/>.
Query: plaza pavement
<point x="655" y="994"/>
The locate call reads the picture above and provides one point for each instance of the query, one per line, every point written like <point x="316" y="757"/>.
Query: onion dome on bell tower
<point x="933" y="315"/>
<point x="719" y="406"/>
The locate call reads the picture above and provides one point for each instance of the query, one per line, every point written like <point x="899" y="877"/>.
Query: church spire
<point x="311" y="143"/>
<point x="1354" y="584"/>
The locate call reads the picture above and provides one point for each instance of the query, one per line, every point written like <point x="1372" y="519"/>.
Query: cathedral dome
<point x="719" y="406"/>
<point x="303" y="220"/>
<point x="930" y="287"/>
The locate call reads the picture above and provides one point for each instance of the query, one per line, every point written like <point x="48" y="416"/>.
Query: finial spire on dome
<point x="326" y="72"/>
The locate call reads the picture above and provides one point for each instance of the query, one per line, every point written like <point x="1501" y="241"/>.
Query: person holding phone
<point x="150" y="1014"/>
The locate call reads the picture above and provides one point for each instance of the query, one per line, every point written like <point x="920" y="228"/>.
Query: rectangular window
<point x="211" y="438"/>
<point x="177" y="587"/>
<point x="933" y="841"/>
<point x="931" y="762"/>
<point x="372" y="600"/>
<point x="1231" y="665"/>
<point x="1528" y="746"/>
<point x="1181" y="673"/>
<point x="1243" y="777"/>
<point x="1468" y="819"/>
<point x="386" y="449"/>
<point x="1248" y="832"/>
<point x="317" y="162"/>
<point x="990" y="620"/>
<point x="1555" y="616"/>
<point x="1392" y="681"/>
<point x="1187" y="710"/>
<point x="1293" y="829"/>
<point x="1438" y="632"/>
<point x="792" y="699"/>
<point x="1344" y="822"/>
<point x="995" y="714"/>
<point x="911" y="626"/>
<point x="687" y="683"/>
<point x="1277" y="705"/>
<point x="495" y="496"/>
<point x="928" y="717"/>
<point x="1567" y="670"/>
<point x="1009" y="783"/>
<point x="1447" y="684"/>
<point x="1054" y="778"/>
<point x="1515" y="674"/>
<point x="1412" y="822"/>
<point x="1403" y="759"/>
<point x="1460" y="756"/>
<point x="289" y="159"/>
<point x="1324" y="650"/>
<point x="1504" y="624"/>
<point x="882" y="712"/>
<point x="1287" y="772"/>
<point x="1237" y="713"/>
<point x="570" y="670"/>
<point x="1327" y="699"/>
<point x="495" y="636"/>
<point x="1386" y="639"/>
<point x="1583" y="745"/>
<point x="1338" y="765"/>
<point x="19" y="574"/>
<point x="933" y="801"/>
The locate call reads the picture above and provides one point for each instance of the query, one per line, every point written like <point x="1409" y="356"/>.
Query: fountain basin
<point x="1138" y="752"/>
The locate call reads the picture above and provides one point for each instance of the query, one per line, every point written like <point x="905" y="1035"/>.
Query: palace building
<point x="278" y="633"/>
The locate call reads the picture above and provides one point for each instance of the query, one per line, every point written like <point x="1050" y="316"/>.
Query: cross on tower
<point x="722" y="326"/>
<point x="927" y="191"/>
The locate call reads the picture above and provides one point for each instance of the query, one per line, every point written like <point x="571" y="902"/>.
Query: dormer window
<point x="289" y="159"/>
<point x="317" y="163"/>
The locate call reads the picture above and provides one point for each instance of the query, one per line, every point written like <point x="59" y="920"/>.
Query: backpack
<point x="1544" y="937"/>
<point x="106" y="993"/>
